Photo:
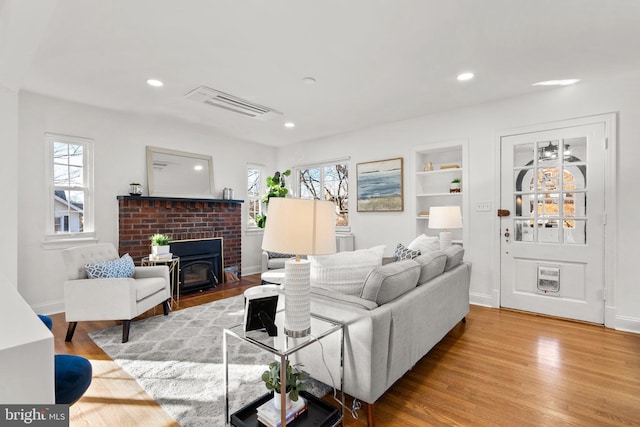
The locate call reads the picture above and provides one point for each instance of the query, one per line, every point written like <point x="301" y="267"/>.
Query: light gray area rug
<point x="177" y="359"/>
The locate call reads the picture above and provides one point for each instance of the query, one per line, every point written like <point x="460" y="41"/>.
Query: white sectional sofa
<point x="402" y="310"/>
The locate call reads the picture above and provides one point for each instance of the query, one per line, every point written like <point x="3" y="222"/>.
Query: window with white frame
<point x="70" y="183"/>
<point x="255" y="189"/>
<point x="327" y="181"/>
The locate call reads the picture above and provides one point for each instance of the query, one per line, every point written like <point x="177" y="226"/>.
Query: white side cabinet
<point x="436" y="167"/>
<point x="26" y="353"/>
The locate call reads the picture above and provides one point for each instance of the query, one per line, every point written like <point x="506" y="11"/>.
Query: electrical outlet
<point x="483" y="206"/>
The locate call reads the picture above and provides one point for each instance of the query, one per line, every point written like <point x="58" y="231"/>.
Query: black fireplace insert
<point x="200" y="263"/>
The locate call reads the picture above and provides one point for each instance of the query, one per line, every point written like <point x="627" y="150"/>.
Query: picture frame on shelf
<point x="380" y="186"/>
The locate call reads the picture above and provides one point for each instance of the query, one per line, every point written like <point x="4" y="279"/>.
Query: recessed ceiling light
<point x="465" y="76"/>
<point x="155" y="83"/>
<point x="309" y="81"/>
<point x="564" y="82"/>
<point x="198" y="167"/>
<point x="289" y="125"/>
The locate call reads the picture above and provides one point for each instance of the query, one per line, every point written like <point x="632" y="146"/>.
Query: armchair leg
<point x="70" y="330"/>
<point x="371" y="414"/>
<point x="464" y="320"/>
<point x="125" y="330"/>
<point x="166" y="306"/>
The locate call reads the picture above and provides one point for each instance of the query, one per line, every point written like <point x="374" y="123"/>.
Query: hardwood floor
<point x="501" y="368"/>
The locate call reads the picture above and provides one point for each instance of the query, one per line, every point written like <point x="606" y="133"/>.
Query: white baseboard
<point x="53" y="307"/>
<point x="246" y="271"/>
<point x="481" y="299"/>
<point x="628" y="324"/>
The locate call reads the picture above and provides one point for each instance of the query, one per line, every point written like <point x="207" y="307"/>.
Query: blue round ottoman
<point x="46" y="320"/>
<point x="73" y="373"/>
<point x="73" y="377"/>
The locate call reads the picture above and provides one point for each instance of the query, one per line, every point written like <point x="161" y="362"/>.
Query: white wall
<point x="8" y="176"/>
<point x="480" y="125"/>
<point x="120" y="141"/>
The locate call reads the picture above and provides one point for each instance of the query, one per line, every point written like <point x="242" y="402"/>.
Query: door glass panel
<point x="523" y="177"/>
<point x="523" y="230"/>
<point x="523" y="155"/>
<point x="575" y="149"/>
<point x="525" y="204"/>
<point x="574" y="177"/>
<point x="548" y="179"/>
<point x="548" y="231"/>
<point x="575" y="231"/>
<point x="548" y="151"/>
<point x="548" y="205"/>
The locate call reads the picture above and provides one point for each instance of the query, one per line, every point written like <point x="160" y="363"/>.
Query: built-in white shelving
<point x="447" y="161"/>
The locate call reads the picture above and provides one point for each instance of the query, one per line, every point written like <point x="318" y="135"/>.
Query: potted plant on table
<point x="159" y="244"/>
<point x="275" y="188"/>
<point x="294" y="377"/>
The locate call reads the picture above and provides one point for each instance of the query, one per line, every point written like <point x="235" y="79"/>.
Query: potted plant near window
<point x="159" y="244"/>
<point x="455" y="185"/>
<point x="275" y="188"/>
<point x="294" y="377"/>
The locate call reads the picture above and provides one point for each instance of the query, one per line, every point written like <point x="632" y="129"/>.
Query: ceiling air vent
<point x="232" y="103"/>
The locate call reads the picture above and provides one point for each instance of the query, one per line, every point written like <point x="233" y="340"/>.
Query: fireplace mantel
<point x="179" y="199"/>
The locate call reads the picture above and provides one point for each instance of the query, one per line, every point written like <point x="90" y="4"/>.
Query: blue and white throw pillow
<point x="402" y="253"/>
<point x="120" y="268"/>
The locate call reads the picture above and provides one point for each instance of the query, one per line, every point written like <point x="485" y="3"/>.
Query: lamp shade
<point x="300" y="227"/>
<point x="445" y="217"/>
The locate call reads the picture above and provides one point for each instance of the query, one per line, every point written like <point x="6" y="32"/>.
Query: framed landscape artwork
<point x="380" y="186"/>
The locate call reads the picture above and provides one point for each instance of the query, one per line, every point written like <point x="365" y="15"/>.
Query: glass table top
<point x="282" y="344"/>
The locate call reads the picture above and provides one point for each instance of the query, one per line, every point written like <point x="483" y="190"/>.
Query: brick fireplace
<point x="182" y="219"/>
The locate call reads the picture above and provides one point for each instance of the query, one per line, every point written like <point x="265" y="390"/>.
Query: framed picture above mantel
<point x="380" y="186"/>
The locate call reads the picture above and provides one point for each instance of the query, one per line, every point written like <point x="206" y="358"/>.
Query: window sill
<point x="252" y="231"/>
<point x="63" y="242"/>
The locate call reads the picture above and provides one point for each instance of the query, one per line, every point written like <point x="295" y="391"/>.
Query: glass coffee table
<point x="283" y="347"/>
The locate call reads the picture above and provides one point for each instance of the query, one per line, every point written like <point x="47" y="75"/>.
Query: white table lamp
<point x="300" y="227"/>
<point x="445" y="218"/>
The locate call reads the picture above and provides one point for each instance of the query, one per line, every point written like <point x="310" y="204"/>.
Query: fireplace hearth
<point x="200" y="263"/>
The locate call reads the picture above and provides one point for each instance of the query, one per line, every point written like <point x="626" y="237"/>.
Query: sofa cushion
<point x="331" y="298"/>
<point x="388" y="282"/>
<point x="425" y="244"/>
<point x="454" y="253"/>
<point x="402" y="252"/>
<point x="119" y="268"/>
<point x="431" y="265"/>
<point x="345" y="272"/>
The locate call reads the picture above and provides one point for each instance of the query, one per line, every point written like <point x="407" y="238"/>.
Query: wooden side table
<point x="174" y="274"/>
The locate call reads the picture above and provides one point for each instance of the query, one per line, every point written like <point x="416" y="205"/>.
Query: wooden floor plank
<point x="501" y="368"/>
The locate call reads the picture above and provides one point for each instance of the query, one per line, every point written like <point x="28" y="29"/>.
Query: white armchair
<point x="110" y="299"/>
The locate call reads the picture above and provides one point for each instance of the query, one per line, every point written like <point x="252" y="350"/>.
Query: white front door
<point x="552" y="242"/>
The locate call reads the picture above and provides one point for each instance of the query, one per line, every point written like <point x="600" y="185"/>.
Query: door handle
<point x="503" y="212"/>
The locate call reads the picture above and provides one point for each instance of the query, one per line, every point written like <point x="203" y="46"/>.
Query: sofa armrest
<point x="365" y="353"/>
<point x="154" y="271"/>
<point x="265" y="261"/>
<point x="100" y="299"/>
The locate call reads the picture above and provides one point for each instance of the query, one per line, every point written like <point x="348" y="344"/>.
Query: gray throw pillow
<point x="402" y="252"/>
<point x="454" y="253"/>
<point x="388" y="282"/>
<point x="431" y="265"/>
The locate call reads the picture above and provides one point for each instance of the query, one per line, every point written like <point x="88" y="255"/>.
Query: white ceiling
<point x="375" y="61"/>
